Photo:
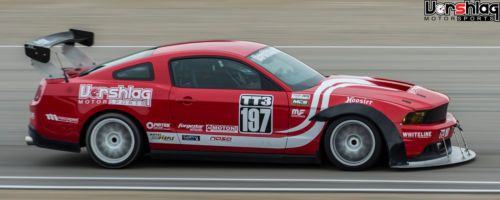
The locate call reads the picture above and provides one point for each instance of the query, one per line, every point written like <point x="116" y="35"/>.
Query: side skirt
<point x="236" y="157"/>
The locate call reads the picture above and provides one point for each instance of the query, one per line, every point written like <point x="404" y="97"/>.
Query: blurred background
<point x="383" y="38"/>
<point x="278" y="22"/>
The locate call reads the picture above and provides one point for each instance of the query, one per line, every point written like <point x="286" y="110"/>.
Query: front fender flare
<point x="395" y="145"/>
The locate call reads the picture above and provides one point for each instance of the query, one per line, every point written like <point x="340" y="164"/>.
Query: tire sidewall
<point x="328" y="137"/>
<point x="138" y="144"/>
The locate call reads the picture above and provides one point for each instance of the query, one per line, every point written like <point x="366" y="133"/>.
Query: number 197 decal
<point x="256" y="113"/>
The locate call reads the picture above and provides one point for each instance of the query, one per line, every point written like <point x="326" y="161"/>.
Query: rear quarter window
<point x="143" y="71"/>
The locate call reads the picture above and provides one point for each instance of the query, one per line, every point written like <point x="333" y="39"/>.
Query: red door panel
<point x="242" y="120"/>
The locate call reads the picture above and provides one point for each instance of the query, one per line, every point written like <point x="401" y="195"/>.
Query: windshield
<point x="288" y="69"/>
<point x="117" y="61"/>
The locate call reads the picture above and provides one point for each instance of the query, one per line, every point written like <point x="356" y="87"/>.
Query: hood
<point x="393" y="91"/>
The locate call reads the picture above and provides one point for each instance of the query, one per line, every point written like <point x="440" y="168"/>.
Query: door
<point x="221" y="104"/>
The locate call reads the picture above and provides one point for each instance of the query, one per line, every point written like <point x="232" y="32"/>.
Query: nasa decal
<point x="256" y="113"/>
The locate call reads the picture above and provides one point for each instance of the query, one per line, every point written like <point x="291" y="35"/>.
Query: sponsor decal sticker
<point x="215" y="128"/>
<point x="415" y="90"/>
<point x="358" y="100"/>
<point x="298" y="113"/>
<point x="418" y="135"/>
<point x="162" y="137"/>
<point x="300" y="102"/>
<point x="264" y="54"/>
<point x="221" y="138"/>
<point x="120" y="95"/>
<point x="301" y="96"/>
<point x="158" y="126"/>
<point x="465" y="11"/>
<point x="256" y="113"/>
<point x="54" y="117"/>
<point x="300" y="99"/>
<point x="444" y="133"/>
<point x="191" y="127"/>
<point x="191" y="137"/>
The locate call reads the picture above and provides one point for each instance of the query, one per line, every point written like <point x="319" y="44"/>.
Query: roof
<point x="243" y="48"/>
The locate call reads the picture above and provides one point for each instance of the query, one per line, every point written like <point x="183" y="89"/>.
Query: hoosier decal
<point x="256" y="113"/>
<point x="120" y="95"/>
<point x="359" y="100"/>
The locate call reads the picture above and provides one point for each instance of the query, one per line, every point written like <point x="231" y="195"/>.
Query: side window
<point x="143" y="71"/>
<point x="218" y="73"/>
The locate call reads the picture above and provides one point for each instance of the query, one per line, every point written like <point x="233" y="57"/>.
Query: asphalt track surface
<point x="383" y="38"/>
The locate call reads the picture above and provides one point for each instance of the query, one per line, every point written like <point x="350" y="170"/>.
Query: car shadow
<point x="83" y="161"/>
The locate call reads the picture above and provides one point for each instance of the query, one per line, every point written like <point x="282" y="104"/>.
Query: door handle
<point x="187" y="100"/>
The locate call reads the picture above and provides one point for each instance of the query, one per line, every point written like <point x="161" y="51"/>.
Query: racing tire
<point x="114" y="141"/>
<point x="352" y="143"/>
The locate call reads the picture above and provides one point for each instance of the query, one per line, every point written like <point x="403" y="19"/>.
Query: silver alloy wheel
<point x="112" y="140"/>
<point x="352" y="143"/>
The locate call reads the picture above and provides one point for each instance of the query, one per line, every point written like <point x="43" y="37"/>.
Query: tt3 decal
<point x="256" y="113"/>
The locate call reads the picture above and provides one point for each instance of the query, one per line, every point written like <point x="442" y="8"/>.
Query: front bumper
<point x="452" y="154"/>
<point x="36" y="139"/>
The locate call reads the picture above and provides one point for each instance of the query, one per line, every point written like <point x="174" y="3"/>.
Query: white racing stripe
<point x="308" y="136"/>
<point x="315" y="100"/>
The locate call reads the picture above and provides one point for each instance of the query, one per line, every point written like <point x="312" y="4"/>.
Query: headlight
<point x="414" y="118"/>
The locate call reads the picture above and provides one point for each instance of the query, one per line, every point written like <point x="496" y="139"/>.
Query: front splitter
<point x="457" y="155"/>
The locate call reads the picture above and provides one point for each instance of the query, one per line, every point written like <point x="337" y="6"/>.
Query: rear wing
<point x="40" y="51"/>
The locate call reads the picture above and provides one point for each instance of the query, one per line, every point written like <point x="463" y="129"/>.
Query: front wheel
<point x="352" y="143"/>
<point x="113" y="141"/>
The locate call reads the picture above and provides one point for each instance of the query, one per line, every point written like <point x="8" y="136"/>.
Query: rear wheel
<point x="352" y="143"/>
<point x="113" y="141"/>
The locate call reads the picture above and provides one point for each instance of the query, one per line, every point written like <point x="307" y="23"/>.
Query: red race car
<point x="236" y="98"/>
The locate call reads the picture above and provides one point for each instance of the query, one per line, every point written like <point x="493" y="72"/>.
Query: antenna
<point x="60" y="63"/>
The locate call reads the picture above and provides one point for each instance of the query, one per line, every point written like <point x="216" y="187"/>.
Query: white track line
<point x="246" y="189"/>
<point x="244" y="180"/>
<point x="313" y="47"/>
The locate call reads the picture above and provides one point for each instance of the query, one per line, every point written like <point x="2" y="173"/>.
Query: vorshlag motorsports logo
<point x="466" y="11"/>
